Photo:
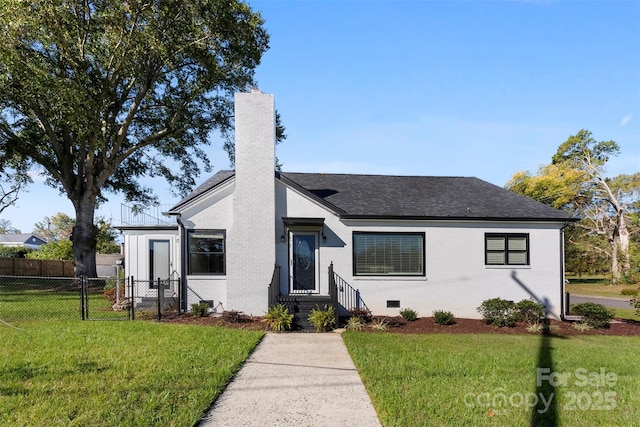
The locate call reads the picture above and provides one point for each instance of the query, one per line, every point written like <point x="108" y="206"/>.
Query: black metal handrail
<point x="274" y="286"/>
<point x="343" y="293"/>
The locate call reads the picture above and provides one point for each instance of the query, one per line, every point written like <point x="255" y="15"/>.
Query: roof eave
<point x="455" y="218"/>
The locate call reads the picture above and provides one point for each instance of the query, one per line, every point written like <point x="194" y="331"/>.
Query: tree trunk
<point x="84" y="237"/>
<point x="615" y="270"/>
<point x="623" y="241"/>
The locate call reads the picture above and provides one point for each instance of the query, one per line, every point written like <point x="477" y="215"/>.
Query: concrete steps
<point x="301" y="306"/>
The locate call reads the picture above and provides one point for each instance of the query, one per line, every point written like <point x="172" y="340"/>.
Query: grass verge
<point x="491" y="379"/>
<point x="115" y="373"/>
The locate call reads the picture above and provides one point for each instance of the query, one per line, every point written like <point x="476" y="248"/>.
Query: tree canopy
<point x="575" y="181"/>
<point x="99" y="93"/>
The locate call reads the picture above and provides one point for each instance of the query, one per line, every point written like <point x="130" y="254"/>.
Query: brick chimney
<point x="251" y="239"/>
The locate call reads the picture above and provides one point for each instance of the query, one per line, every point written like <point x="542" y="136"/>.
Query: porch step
<point x="301" y="306"/>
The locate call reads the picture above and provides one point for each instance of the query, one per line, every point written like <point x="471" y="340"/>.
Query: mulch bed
<point x="426" y="325"/>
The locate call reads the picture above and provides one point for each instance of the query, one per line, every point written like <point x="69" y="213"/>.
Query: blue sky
<point x="461" y="88"/>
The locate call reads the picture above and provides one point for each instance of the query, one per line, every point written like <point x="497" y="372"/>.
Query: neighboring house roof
<point x="405" y="197"/>
<point x="21" y="239"/>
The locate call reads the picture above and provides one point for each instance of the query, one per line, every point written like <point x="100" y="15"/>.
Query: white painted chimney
<point x="250" y="241"/>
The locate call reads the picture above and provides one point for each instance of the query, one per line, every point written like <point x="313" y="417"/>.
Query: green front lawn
<point x="595" y="286"/>
<point x="115" y="373"/>
<point x="490" y="379"/>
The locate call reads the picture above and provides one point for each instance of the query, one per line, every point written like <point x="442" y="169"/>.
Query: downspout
<point x="183" y="261"/>
<point x="563" y="295"/>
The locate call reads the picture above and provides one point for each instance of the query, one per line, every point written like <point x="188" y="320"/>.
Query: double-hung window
<point x="388" y="254"/>
<point x="506" y="249"/>
<point x="206" y="252"/>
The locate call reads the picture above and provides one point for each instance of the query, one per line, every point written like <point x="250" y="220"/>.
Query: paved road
<point x="607" y="302"/>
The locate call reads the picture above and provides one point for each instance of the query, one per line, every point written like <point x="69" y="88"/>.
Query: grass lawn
<point x="68" y="373"/>
<point x="490" y="379"/>
<point x="595" y="286"/>
<point x="626" y="313"/>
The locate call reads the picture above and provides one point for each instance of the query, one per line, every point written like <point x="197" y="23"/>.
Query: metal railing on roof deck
<point x="151" y="215"/>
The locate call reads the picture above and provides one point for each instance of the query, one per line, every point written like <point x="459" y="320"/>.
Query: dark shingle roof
<point x="382" y="196"/>
<point x="210" y="183"/>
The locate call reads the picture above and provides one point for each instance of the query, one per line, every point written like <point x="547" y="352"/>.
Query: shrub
<point x="200" y="309"/>
<point x="635" y="303"/>
<point x="529" y="311"/>
<point x="354" y="324"/>
<point x="409" y="314"/>
<point x="278" y="318"/>
<point x="498" y="312"/>
<point x="362" y="314"/>
<point x="14" y="251"/>
<point x="442" y="317"/>
<point x="233" y="316"/>
<point x="581" y="326"/>
<point x="380" y="324"/>
<point x="629" y="291"/>
<point x="323" y="319"/>
<point x="595" y="315"/>
<point x="111" y="293"/>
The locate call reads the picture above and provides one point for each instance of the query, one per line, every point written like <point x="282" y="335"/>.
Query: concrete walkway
<point x="295" y="379"/>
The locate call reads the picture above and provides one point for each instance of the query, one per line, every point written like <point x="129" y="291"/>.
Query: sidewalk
<point x="295" y="379"/>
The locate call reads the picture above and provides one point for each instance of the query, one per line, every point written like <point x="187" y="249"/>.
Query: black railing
<point x="343" y="293"/>
<point x="274" y="286"/>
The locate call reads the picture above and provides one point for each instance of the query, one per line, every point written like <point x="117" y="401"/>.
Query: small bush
<point x="596" y="315"/>
<point x="498" y="312"/>
<point x="529" y="311"/>
<point x="323" y="319"/>
<point x="362" y="314"/>
<point x="111" y="293"/>
<point x="200" y="309"/>
<point x="635" y="303"/>
<point x="380" y="324"/>
<point x="278" y="318"/>
<point x="443" y="317"/>
<point x="581" y="326"/>
<point x="409" y="314"/>
<point x="234" y="316"/>
<point x="354" y="324"/>
<point x="629" y="292"/>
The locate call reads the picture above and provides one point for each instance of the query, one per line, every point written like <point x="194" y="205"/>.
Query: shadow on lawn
<point x="545" y="412"/>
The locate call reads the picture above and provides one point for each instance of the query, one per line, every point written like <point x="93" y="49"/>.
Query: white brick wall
<point x="251" y="238"/>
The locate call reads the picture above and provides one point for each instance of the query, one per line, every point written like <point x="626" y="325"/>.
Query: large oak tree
<point x="99" y="93"/>
<point x="575" y="181"/>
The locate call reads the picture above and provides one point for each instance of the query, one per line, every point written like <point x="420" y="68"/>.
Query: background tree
<point x="575" y="182"/>
<point x="14" y="178"/>
<point x="56" y="249"/>
<point x="55" y="228"/>
<point x="106" y="238"/>
<point x="98" y="93"/>
<point x="7" y="228"/>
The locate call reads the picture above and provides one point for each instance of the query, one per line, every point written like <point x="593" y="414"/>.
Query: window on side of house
<point x="506" y="249"/>
<point x="388" y="254"/>
<point x="206" y="252"/>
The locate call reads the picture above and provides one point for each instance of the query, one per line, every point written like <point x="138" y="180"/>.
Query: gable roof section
<point x="211" y="183"/>
<point x="405" y="197"/>
<point x="414" y="197"/>
<point x="21" y="239"/>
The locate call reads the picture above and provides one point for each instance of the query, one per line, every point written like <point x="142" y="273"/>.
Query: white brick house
<point x="420" y="242"/>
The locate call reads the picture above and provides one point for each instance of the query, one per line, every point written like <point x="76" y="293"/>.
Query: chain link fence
<point x="39" y="298"/>
<point x="24" y="299"/>
<point x="154" y="299"/>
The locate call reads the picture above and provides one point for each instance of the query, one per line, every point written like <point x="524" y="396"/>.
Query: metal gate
<point x="104" y="299"/>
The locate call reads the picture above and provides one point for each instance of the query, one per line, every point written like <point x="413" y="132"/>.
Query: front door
<point x="159" y="261"/>
<point x="303" y="256"/>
